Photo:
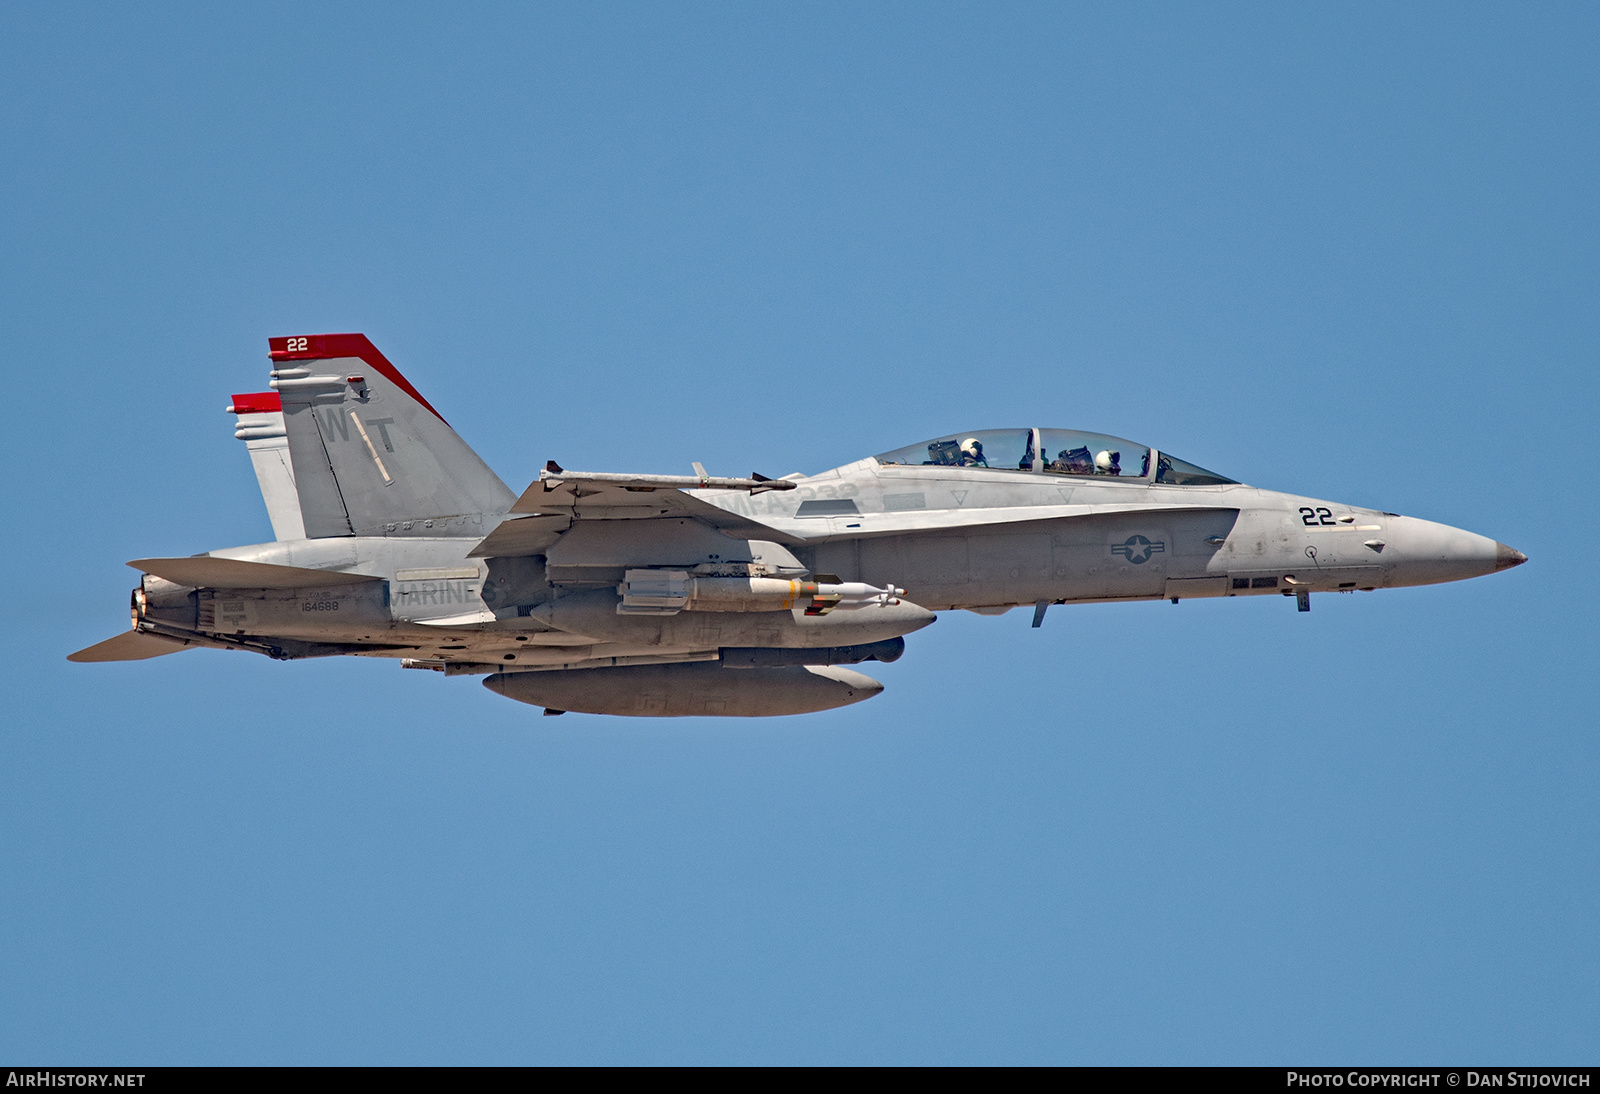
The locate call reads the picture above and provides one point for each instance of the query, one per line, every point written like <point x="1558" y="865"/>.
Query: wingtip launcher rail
<point x="553" y="477"/>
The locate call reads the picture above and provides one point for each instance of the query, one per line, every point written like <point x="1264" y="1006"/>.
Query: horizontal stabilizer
<point x="130" y="646"/>
<point x="206" y="572"/>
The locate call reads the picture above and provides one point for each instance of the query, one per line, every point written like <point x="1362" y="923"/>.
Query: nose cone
<point x="1507" y="557"/>
<point x="1424" y="553"/>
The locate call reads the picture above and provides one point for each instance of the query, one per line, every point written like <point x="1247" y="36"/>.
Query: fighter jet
<point x="671" y="595"/>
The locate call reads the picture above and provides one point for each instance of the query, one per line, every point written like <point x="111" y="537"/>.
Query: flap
<point x="207" y="572"/>
<point x="522" y="536"/>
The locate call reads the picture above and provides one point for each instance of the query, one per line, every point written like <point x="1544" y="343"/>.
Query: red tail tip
<point x="258" y="402"/>
<point x="317" y="347"/>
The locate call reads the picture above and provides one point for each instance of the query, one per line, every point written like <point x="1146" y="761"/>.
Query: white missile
<point x="665" y="592"/>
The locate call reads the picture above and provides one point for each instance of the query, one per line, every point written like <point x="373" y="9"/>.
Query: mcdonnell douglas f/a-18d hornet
<point x="664" y="595"/>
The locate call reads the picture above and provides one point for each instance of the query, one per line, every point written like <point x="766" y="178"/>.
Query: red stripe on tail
<point x="260" y="402"/>
<point x="316" y="347"/>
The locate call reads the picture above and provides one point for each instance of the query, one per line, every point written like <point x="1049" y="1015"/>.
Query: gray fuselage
<point x="950" y="537"/>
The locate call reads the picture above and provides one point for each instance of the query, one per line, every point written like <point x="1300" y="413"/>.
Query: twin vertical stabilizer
<point x="344" y="445"/>
<point x="260" y="427"/>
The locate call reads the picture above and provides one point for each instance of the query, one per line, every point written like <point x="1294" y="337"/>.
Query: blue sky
<point x="1348" y="252"/>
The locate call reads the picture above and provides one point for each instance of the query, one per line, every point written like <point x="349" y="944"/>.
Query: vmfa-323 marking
<point x="681" y="595"/>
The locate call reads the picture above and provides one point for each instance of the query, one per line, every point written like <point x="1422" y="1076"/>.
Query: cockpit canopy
<point x="1054" y="452"/>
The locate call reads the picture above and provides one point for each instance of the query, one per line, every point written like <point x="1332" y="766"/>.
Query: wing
<point x="559" y="497"/>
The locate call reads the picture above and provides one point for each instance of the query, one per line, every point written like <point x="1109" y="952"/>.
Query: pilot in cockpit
<point x="972" y="453"/>
<point x="1075" y="461"/>
<point x="1108" y="463"/>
